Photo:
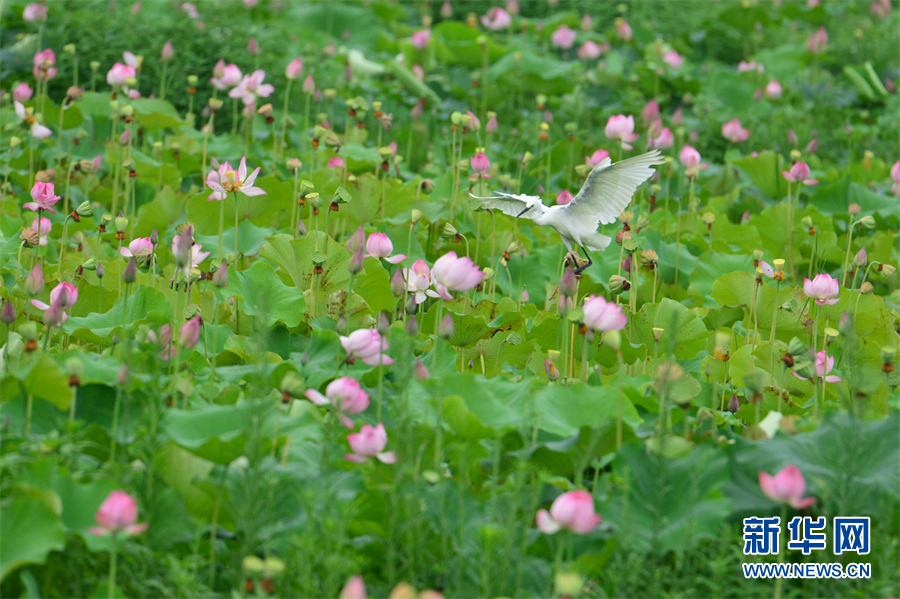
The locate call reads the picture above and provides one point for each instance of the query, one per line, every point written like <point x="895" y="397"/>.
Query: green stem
<point x="236" y="213"/>
<point x="221" y="228"/>
<point x="846" y="264"/>
<point x="112" y="565"/>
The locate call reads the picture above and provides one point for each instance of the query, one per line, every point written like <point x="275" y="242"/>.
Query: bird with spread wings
<point x="606" y="192"/>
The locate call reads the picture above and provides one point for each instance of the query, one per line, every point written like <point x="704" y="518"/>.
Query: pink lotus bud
<point x="551" y="370"/>
<point x="369" y="442"/>
<point x="36" y="12"/>
<point x="354" y="589"/>
<point x="22" y="92"/>
<point x="621" y="128"/>
<point x="812" y="146"/>
<point x="818" y="41"/>
<point x="861" y="258"/>
<point x="368" y="346"/>
<point x="446" y="9"/>
<point x="523" y="297"/>
<point x="792" y="137"/>
<point x="673" y="59"/>
<point x="293" y="69"/>
<point x="733" y="132"/>
<point x="357" y="262"/>
<point x="357" y="240"/>
<point x="421" y="38"/>
<point x="252" y="46"/>
<point x="678" y="117"/>
<point x="573" y="511"/>
<point x="34" y="281"/>
<point x="587" y="23"/>
<point x="496" y="19"/>
<point x="168" y="52"/>
<point x="563" y="198"/>
<point x="563" y="37"/>
<point x="379" y="246"/>
<point x="491" y="126"/>
<point x="398" y="284"/>
<point x="480" y="164"/>
<point x="190" y="332"/>
<point x="568" y="284"/>
<point x="219" y="69"/>
<point x="117" y="513"/>
<point x="623" y="30"/>
<point x="309" y="85"/>
<point x="650" y="111"/>
<point x="773" y="90"/>
<point x="787" y="487"/>
<point x="419" y="371"/>
<point x="823" y="289"/>
<point x="336" y="162"/>
<point x="446" y="328"/>
<point x="590" y="50"/>
<point x="602" y="316"/>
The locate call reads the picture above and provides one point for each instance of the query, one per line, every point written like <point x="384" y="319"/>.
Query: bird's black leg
<point x="580" y="269"/>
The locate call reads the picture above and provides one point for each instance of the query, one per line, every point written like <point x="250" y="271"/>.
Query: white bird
<point x="606" y="192"/>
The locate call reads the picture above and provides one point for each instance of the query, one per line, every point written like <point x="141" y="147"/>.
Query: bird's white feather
<point x="514" y="204"/>
<point x="609" y="188"/>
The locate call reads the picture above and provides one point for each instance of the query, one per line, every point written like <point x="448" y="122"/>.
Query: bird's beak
<point x="523" y="212"/>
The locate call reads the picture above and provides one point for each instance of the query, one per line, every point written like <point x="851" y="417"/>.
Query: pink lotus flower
<point x="573" y="511"/>
<point x="745" y="66"/>
<point x="225" y="76"/>
<point x="22" y="92"/>
<point x="379" y="246"/>
<point x="168" y="52"/>
<point x="602" y="316"/>
<point x="491" y="126"/>
<point x="787" y="487"/>
<point x="418" y="281"/>
<point x="119" y="74"/>
<point x="44" y="65"/>
<point x="190" y="10"/>
<point x="563" y="198"/>
<point x="824" y="365"/>
<point x="733" y="132"/>
<point x="190" y="332"/>
<point x="481" y="165"/>
<point x="563" y="37"/>
<point x="228" y="181"/>
<point x="621" y="127"/>
<point x="663" y="141"/>
<point x="623" y="30"/>
<point x="773" y="90"/>
<point x="690" y="158"/>
<point x="141" y="243"/>
<point x="36" y="12"/>
<point x="309" y="85"/>
<point x="336" y="162"/>
<point x="343" y="394"/>
<point x="818" y="41"/>
<point x="799" y="173"/>
<point x="217" y="176"/>
<point x="650" y="111"/>
<point x="252" y="46"/>
<point x="252" y="87"/>
<point x="895" y="177"/>
<point x="294" y="68"/>
<point x="496" y="19"/>
<point x="590" y="50"/>
<point x="64" y="295"/>
<point x="354" y="589"/>
<point x="38" y="131"/>
<point x="421" y="38"/>
<point x="823" y="289"/>
<point x="587" y="23"/>
<point x="197" y="256"/>
<point x="455" y="274"/>
<point x="369" y="443"/>
<point x="673" y="59"/>
<point x="43" y="196"/>
<point x="368" y="345"/>
<point x="43" y="228"/>
<point x="117" y="513"/>
<point x="596" y="158"/>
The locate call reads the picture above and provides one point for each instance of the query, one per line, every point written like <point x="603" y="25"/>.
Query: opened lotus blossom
<point x="818" y="41"/>
<point x="227" y="181"/>
<point x="252" y="87"/>
<point x="369" y="443"/>
<point x="38" y="131"/>
<point x="733" y="132"/>
<point x="35" y="12"/>
<point x="63" y="296"/>
<point x="22" y="92"/>
<point x="379" y="246"/>
<point x="602" y="316"/>
<point x="119" y="74"/>
<point x="455" y="274"/>
<point x="197" y="255"/>
<point x="824" y="365"/>
<point x="799" y="173"/>
<point x="335" y="162"/>
<point x="496" y="19"/>
<point x="823" y="289"/>
<point x="418" y="281"/>
<point x="663" y="141"/>
<point x="345" y="395"/>
<point x="621" y="127"/>
<point x="368" y="346"/>
<point x="786" y="487"/>
<point x="43" y="196"/>
<point x="596" y="158"/>
<point x="44" y="65"/>
<point x="563" y="37"/>
<point x="590" y="50"/>
<point x="573" y="510"/>
<point x="137" y="245"/>
<point x="117" y="513"/>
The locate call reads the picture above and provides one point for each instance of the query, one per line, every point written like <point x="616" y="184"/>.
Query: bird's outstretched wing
<point x="610" y="187"/>
<point x="513" y="204"/>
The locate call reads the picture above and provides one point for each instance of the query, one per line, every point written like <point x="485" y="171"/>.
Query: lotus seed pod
<point x="306" y="187"/>
<point x="867" y="222"/>
<point x="866" y="288"/>
<point x="618" y="284"/>
<point x="887" y="270"/>
<point x="449" y="232"/>
<point x="90" y="264"/>
<point x="293" y="385"/>
<point x="29" y="237"/>
<point x="612" y="339"/>
<point x="888" y="354"/>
